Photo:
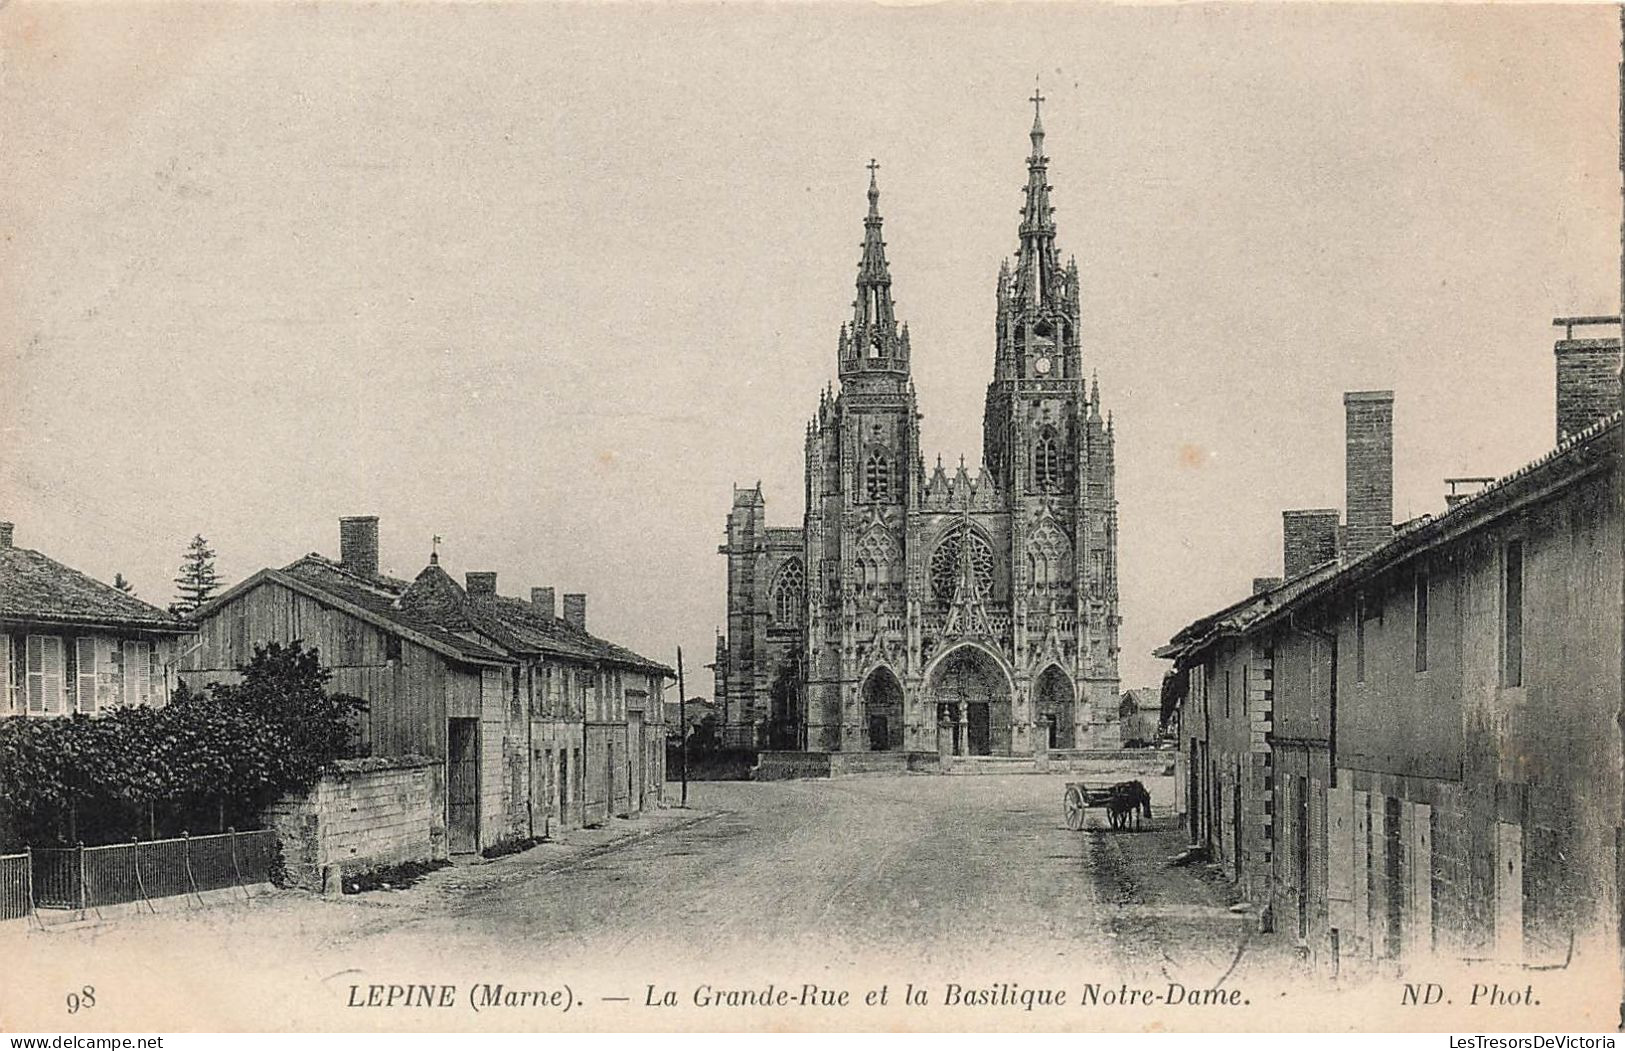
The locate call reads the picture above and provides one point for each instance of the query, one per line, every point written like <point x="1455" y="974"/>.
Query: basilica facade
<point x="925" y="609"/>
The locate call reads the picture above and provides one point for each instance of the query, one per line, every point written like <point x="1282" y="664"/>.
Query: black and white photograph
<point x="770" y="517"/>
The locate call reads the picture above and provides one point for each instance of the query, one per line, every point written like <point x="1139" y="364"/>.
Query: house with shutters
<point x="73" y="644"/>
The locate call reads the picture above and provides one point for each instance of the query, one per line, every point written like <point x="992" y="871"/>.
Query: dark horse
<point x="1129" y="799"/>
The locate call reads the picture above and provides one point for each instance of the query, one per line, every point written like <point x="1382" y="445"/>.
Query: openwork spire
<point x="1038" y="272"/>
<point x="873" y="342"/>
<point x="873" y="308"/>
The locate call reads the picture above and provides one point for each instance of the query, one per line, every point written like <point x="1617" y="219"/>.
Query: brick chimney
<point x="575" y="611"/>
<point x="480" y="583"/>
<point x="1308" y="538"/>
<point x="541" y="599"/>
<point x="1587" y="377"/>
<point x="1369" y="477"/>
<point x="5" y="534"/>
<point x="358" y="544"/>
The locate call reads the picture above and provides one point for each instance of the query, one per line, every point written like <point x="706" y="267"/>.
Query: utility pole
<point x="682" y="725"/>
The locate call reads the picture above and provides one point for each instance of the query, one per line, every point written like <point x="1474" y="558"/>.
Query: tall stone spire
<point x="1038" y="271"/>
<point x="873" y="342"/>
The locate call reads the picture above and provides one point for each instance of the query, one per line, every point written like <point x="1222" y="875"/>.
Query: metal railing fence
<point x="82" y="877"/>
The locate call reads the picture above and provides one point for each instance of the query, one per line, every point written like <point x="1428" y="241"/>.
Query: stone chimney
<point x="1587" y="376"/>
<point x="575" y="611"/>
<point x="1308" y="538"/>
<point x="542" y="600"/>
<point x="1263" y="584"/>
<point x="358" y="544"/>
<point x="5" y="534"/>
<point x="480" y="583"/>
<point x="1369" y="477"/>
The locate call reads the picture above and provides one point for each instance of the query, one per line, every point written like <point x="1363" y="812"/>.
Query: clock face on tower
<point x="1042" y="366"/>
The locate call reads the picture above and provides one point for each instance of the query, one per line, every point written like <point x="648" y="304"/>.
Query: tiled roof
<point x="37" y="588"/>
<point x="378" y="598"/>
<point x="1409" y="537"/>
<point x="551" y="635"/>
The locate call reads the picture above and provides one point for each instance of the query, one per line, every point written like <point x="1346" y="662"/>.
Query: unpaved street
<point x="842" y="883"/>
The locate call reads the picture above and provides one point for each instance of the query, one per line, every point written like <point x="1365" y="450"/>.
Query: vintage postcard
<point x="810" y="516"/>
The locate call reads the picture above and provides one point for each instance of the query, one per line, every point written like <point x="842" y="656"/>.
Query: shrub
<point x="208" y="759"/>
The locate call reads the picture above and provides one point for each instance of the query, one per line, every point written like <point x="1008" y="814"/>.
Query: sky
<point x="547" y="280"/>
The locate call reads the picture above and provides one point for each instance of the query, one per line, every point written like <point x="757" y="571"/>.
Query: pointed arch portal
<point x="1055" y="708"/>
<point x="883" y="711"/>
<point x="972" y="695"/>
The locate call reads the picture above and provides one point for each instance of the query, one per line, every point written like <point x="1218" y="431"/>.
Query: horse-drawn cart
<point x="1123" y="802"/>
<point x="1080" y="797"/>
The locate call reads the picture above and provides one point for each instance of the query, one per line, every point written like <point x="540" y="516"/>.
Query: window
<point x="878" y="559"/>
<point x="1512" y="616"/>
<point x="1421" y="622"/>
<point x="1227" y="693"/>
<point x="392" y="647"/>
<point x="44" y="672"/>
<point x="1047" y="464"/>
<point x="85" y="673"/>
<point x="945" y="564"/>
<point x="789" y="593"/>
<point x="877" y="476"/>
<point x="1049" y="557"/>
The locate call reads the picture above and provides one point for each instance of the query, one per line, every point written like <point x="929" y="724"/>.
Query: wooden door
<point x="463" y="785"/>
<point x="979" y="729"/>
<point x="639" y="755"/>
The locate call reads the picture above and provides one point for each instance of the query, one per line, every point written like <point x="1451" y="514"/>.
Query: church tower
<point x="956" y="613"/>
<point x="863" y="469"/>
<point x="1051" y="453"/>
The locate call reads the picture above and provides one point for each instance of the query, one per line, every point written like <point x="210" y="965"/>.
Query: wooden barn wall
<point x="406" y="698"/>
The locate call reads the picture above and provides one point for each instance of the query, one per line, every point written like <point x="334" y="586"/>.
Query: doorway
<point x="883" y="710"/>
<point x="463" y="785"/>
<point x="978" y="727"/>
<point x="976" y="693"/>
<point x="1054" y="703"/>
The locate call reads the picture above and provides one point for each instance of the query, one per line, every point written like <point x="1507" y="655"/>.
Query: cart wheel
<point x="1075" y="806"/>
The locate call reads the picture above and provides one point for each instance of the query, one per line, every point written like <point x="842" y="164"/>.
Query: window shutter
<point x="143" y="672"/>
<point x="84" y="651"/>
<point x="51" y="673"/>
<point x="36" y="675"/>
<point x="137" y="672"/>
<point x="8" y="697"/>
<point x="127" y="651"/>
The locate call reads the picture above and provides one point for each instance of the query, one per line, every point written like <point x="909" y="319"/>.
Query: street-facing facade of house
<point x="73" y="644"/>
<point x="534" y="724"/>
<point x="1422" y="754"/>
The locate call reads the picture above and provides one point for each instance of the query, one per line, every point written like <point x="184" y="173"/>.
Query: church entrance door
<point x="883" y="711"/>
<point x="973" y="704"/>
<point x="979" y="724"/>
<point x="1053" y="703"/>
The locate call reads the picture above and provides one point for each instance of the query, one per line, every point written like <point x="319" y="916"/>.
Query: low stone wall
<point x="790" y="766"/>
<point x="362" y="814"/>
<point x="1130" y="762"/>
<point x="783" y="766"/>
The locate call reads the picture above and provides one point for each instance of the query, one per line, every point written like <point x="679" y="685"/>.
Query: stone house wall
<point x="364" y="814"/>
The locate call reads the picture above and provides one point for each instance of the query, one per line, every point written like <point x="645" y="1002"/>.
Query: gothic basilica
<point x="926" y="610"/>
